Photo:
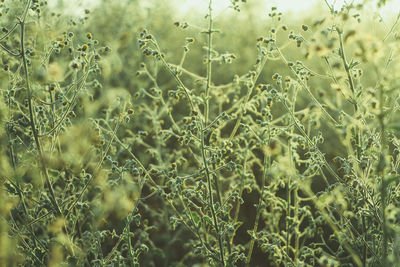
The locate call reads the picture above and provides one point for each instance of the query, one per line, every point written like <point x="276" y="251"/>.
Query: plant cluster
<point x="120" y="147"/>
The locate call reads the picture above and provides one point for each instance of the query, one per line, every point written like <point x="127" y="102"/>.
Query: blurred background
<point x="193" y="7"/>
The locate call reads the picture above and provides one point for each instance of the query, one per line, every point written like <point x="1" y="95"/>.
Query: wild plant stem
<point x="202" y="145"/>
<point x="288" y="213"/>
<point x="209" y="63"/>
<point x="381" y="168"/>
<point x="202" y="148"/>
<point x="259" y="208"/>
<point x="353" y="91"/>
<point x="31" y="116"/>
<point x="305" y="87"/>
<point x="296" y="234"/>
<point x="247" y="98"/>
<point x="210" y="195"/>
<point x="364" y="251"/>
<point x="241" y="187"/>
<point x="289" y="192"/>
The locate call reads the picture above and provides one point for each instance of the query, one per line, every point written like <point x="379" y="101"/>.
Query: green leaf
<point x="207" y="219"/>
<point x="353" y="63"/>
<point x="196" y="218"/>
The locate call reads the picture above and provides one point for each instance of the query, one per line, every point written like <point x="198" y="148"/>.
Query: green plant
<point x="128" y="143"/>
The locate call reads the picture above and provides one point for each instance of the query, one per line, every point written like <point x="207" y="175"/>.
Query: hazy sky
<point x="296" y="6"/>
<point x="391" y="9"/>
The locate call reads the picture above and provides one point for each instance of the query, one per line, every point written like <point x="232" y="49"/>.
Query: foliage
<point x="253" y="140"/>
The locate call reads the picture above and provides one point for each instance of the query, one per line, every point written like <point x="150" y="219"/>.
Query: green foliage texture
<point x="135" y="135"/>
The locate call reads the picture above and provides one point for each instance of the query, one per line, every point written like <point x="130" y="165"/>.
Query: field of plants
<point x="135" y="135"/>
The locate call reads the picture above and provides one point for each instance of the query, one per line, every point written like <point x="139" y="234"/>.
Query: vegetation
<point x="132" y="137"/>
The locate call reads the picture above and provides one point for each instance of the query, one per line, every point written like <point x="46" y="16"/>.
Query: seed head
<point x="74" y="65"/>
<point x="84" y="47"/>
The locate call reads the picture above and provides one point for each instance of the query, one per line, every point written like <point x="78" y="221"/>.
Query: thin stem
<point x="31" y="116"/>
<point x="381" y="168"/>
<point x="392" y="28"/>
<point x="288" y="211"/>
<point x="296" y="234"/>
<point x="69" y="108"/>
<point x="346" y="67"/>
<point x="247" y="98"/>
<point x="209" y="64"/>
<point x="305" y="87"/>
<point x="259" y="208"/>
<point x="168" y="67"/>
<point x="289" y="191"/>
<point x="210" y="195"/>
<point x="241" y="188"/>
<point x="9" y="51"/>
<point x="364" y="251"/>
<point x="10" y="31"/>
<point x="202" y="143"/>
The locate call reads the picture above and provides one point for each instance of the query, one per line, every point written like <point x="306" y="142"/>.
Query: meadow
<point x="131" y="135"/>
